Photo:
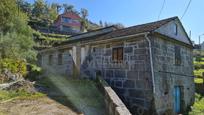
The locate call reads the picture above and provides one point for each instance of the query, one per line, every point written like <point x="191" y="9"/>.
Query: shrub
<point x="198" y="107"/>
<point x="15" y="66"/>
<point x="34" y="72"/>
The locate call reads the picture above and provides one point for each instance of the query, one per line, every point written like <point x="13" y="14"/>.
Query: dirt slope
<point x="41" y="106"/>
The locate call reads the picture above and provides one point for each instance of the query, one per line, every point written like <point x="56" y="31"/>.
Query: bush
<point x="34" y="72"/>
<point x="198" y="59"/>
<point x="198" y="107"/>
<point x="14" y="66"/>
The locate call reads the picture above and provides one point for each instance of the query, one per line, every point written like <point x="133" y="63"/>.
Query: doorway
<point x="177" y="99"/>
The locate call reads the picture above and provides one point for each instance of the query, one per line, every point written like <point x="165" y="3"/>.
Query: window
<point x="60" y="59"/>
<point x="66" y="28"/>
<point x="175" y="29"/>
<point x="177" y="56"/>
<point x="50" y="60"/>
<point x="66" y="20"/>
<point x="76" y="21"/>
<point x="117" y="54"/>
<point x="94" y="49"/>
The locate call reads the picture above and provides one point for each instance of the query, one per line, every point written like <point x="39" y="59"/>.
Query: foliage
<point x="198" y="107"/>
<point x="25" y="6"/>
<point x="198" y="80"/>
<point x="53" y="11"/>
<point x="84" y="20"/>
<point x="34" y="72"/>
<point x="68" y="8"/>
<point x="39" y="8"/>
<point x="16" y="36"/>
<point x="17" y="46"/>
<point x="15" y="66"/>
<point x="48" y="39"/>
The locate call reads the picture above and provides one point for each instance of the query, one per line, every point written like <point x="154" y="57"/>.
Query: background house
<point x="68" y="22"/>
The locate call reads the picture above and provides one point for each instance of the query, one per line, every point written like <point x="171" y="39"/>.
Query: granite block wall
<point x="130" y="78"/>
<point x="54" y="68"/>
<point x="168" y="75"/>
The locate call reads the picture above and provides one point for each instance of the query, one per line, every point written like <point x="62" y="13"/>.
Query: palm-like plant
<point x="68" y="8"/>
<point x="84" y="20"/>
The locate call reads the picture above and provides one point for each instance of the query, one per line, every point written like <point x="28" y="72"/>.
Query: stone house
<point x="149" y="66"/>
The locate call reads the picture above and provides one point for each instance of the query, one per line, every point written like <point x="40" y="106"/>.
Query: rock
<point x="20" y="85"/>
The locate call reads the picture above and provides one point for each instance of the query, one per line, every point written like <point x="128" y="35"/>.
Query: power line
<point x="161" y="9"/>
<point x="186" y="9"/>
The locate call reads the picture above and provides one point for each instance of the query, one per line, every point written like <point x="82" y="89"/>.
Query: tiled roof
<point x="71" y="15"/>
<point x="148" y="27"/>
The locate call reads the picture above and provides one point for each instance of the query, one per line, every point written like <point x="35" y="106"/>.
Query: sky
<point x="134" y="12"/>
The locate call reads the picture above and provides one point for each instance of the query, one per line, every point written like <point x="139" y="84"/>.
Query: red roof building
<point x="68" y="22"/>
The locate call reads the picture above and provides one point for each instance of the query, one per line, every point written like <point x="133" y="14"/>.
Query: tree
<point x="68" y="8"/>
<point x="59" y="8"/>
<point x="24" y="6"/>
<point x="7" y="9"/>
<point x="119" y="25"/>
<point x="84" y="20"/>
<point x="53" y="11"/>
<point x="101" y="23"/>
<point x="15" y="35"/>
<point x="39" y="8"/>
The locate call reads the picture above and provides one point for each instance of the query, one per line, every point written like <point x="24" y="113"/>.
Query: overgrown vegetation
<point x="16" y="42"/>
<point x="16" y="36"/>
<point x="47" y="40"/>
<point x="15" y="66"/>
<point x="198" y="107"/>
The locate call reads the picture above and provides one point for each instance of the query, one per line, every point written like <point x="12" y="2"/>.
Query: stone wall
<point x="168" y="75"/>
<point x="130" y="79"/>
<point x="114" y="105"/>
<point x="65" y="69"/>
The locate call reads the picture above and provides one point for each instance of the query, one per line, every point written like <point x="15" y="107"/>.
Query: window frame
<point x="175" y="29"/>
<point x="118" y="54"/>
<point x="60" y="58"/>
<point x="50" y="59"/>
<point x="178" y="59"/>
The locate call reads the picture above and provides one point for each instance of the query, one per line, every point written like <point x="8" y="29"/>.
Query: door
<point x="177" y="99"/>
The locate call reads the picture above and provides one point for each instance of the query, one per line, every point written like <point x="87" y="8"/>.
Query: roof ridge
<point x="167" y="19"/>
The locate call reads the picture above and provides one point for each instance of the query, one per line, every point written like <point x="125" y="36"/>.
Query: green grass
<point x="7" y="95"/>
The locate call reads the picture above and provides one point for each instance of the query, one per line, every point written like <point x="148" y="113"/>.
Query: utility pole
<point x="199" y="42"/>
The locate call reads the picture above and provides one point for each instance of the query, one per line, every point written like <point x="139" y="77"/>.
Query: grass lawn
<point x="10" y="95"/>
<point x="82" y="95"/>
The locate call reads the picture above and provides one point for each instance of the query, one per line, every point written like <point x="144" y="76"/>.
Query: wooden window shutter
<point x="117" y="54"/>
